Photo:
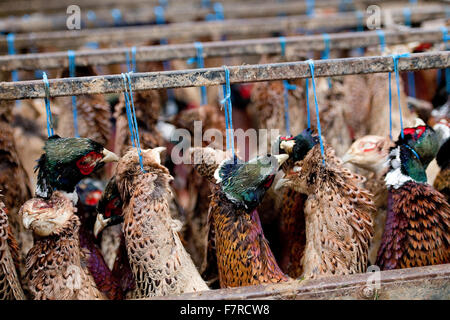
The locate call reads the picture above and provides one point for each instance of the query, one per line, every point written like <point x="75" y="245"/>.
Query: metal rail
<point x="350" y="40"/>
<point x="20" y="7"/>
<point x="189" y="30"/>
<point x="216" y="76"/>
<point x="421" y="283"/>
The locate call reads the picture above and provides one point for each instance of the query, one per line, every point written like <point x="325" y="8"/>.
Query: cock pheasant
<point x="337" y="211"/>
<point x="417" y="231"/>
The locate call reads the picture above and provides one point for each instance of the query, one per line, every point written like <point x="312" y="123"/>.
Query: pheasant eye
<point x="88" y="162"/>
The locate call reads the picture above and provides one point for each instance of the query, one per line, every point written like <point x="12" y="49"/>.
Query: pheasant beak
<point x="288" y="145"/>
<point x="27" y="220"/>
<point x="109" y="156"/>
<point x="347" y="157"/>
<point x="100" y="224"/>
<point x="160" y="149"/>
<point x="281" y="158"/>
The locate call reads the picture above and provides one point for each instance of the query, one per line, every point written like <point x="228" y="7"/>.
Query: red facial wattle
<point x="87" y="163"/>
<point x="93" y="197"/>
<point x="269" y="182"/>
<point x="414" y="132"/>
<point x="112" y="208"/>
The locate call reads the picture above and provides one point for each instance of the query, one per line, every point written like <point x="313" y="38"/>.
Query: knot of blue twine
<point x="445" y="39"/>
<point x="407" y="16"/>
<point x="395" y="58"/>
<point x="319" y="131"/>
<point x="382" y="38"/>
<point x="10" y="38"/>
<point x="131" y="116"/>
<point x="200" y="64"/>
<point x="131" y="64"/>
<point x="72" y="73"/>
<point x="218" y="13"/>
<point x="228" y="110"/>
<point x="326" y="53"/>
<point x="310" y="4"/>
<point x="48" y="111"/>
<point x="116" y="15"/>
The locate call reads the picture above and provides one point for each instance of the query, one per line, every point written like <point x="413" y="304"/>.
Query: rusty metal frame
<point x="295" y="44"/>
<point x="74" y="39"/>
<point x="421" y="283"/>
<point x="216" y="76"/>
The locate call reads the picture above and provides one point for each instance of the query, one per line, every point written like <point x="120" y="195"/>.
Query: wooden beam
<point x="215" y="76"/>
<point x="350" y="40"/>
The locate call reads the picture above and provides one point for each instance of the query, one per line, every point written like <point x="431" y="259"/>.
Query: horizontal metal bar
<point x="349" y="40"/>
<point x="421" y="283"/>
<point x="8" y="8"/>
<point x="241" y="27"/>
<point x="215" y="76"/>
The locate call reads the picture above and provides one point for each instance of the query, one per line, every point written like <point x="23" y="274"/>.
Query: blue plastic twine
<point x="48" y="111"/>
<point x="382" y="40"/>
<point x="71" y="55"/>
<point x="117" y="16"/>
<point x="131" y="116"/>
<point x="326" y="53"/>
<point x="308" y="114"/>
<point x="200" y="64"/>
<point x="310" y="4"/>
<point x="286" y="86"/>
<point x="395" y="57"/>
<point x="445" y="39"/>
<point x="407" y="16"/>
<point x="344" y="4"/>
<point x="311" y="68"/>
<point x="360" y="17"/>
<point x="163" y="3"/>
<point x="11" y="51"/>
<point x="206" y="3"/>
<point x="228" y="110"/>
<point x="131" y="64"/>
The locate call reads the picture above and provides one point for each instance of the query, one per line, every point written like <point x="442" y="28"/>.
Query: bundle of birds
<point x="418" y="218"/>
<point x="337" y="211"/>
<point x="371" y="153"/>
<point x="159" y="262"/>
<point x="10" y="286"/>
<point x="243" y="253"/>
<point x="57" y="265"/>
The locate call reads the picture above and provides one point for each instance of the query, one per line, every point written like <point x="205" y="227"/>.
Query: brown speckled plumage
<point x="243" y="253"/>
<point x="160" y="264"/>
<point x="417" y="231"/>
<point x="10" y="287"/>
<point x="338" y="215"/>
<point x="56" y="265"/>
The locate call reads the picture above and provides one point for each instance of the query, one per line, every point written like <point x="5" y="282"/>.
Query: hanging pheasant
<point x="371" y="153"/>
<point x="442" y="181"/>
<point x="10" y="287"/>
<point x="14" y="181"/>
<point x="160" y="264"/>
<point x="57" y="265"/>
<point x="243" y="253"/>
<point x="337" y="211"/>
<point x="418" y="219"/>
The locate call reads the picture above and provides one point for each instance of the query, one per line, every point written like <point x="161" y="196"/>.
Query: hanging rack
<point x="240" y="27"/>
<point x="215" y="76"/>
<point x="348" y="40"/>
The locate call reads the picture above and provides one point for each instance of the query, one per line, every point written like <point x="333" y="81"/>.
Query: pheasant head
<point x="423" y="139"/>
<point x="109" y="208"/>
<point x="245" y="183"/>
<point x="297" y="147"/>
<point x="369" y="152"/>
<point x="68" y="160"/>
<point x="48" y="217"/>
